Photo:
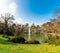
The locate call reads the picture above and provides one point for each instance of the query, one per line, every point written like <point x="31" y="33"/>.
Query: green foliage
<point x="17" y="40"/>
<point x="58" y="42"/>
<point x="6" y="47"/>
<point x="32" y="41"/>
<point x="51" y="39"/>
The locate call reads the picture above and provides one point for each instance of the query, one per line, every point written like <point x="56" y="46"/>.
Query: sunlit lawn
<point x="7" y="47"/>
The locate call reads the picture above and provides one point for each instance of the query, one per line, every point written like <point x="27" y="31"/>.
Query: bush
<point x="32" y="41"/>
<point x="57" y="41"/>
<point x="51" y="39"/>
<point x="45" y="41"/>
<point x="18" y="40"/>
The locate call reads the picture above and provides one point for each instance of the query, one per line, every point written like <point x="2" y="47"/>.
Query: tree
<point x="7" y="19"/>
<point x="26" y="28"/>
<point x="27" y="24"/>
<point x="1" y="27"/>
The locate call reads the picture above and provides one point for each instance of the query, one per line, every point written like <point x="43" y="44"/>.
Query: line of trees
<point x="8" y="27"/>
<point x="53" y="26"/>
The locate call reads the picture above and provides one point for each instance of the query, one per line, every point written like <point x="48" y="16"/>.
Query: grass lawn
<point x="7" y="47"/>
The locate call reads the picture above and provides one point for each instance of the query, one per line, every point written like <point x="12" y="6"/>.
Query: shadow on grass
<point x="5" y="41"/>
<point x="2" y="41"/>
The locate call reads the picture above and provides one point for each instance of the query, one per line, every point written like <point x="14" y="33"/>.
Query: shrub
<point x="57" y="37"/>
<point x="45" y="41"/>
<point x="18" y="40"/>
<point x="51" y="39"/>
<point x="32" y="41"/>
<point x="57" y="41"/>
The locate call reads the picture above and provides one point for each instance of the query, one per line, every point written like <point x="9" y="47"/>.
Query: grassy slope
<point x="6" y="47"/>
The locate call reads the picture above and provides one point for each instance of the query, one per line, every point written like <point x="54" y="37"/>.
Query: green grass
<point x="7" y="47"/>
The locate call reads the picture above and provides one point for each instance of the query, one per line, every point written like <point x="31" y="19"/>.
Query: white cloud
<point x="13" y="5"/>
<point x="10" y="6"/>
<point x="2" y="6"/>
<point x="18" y="20"/>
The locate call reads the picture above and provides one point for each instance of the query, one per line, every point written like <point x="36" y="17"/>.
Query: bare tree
<point x="7" y="18"/>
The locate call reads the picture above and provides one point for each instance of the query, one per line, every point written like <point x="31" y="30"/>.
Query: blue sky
<point x="37" y="11"/>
